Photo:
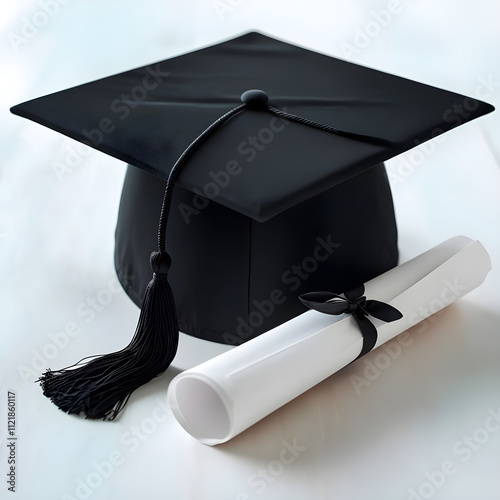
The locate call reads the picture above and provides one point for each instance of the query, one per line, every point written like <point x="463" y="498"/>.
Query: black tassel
<point x="100" y="387"/>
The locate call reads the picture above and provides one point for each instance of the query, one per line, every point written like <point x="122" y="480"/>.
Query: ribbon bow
<point x="355" y="303"/>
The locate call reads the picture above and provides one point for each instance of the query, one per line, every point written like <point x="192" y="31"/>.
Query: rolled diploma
<point x="223" y="396"/>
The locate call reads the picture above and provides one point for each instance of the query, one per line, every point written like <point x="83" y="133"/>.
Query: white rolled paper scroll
<point x="222" y="397"/>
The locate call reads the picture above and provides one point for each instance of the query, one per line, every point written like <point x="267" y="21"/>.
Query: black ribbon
<point x="355" y="303"/>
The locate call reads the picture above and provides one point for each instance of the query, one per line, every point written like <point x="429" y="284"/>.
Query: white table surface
<point x="428" y="411"/>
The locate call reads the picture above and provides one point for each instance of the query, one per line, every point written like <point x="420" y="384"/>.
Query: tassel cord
<point x="167" y="198"/>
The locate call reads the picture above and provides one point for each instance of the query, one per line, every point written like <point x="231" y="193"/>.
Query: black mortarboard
<point x="278" y="191"/>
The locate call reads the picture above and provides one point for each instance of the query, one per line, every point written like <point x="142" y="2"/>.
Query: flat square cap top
<point x="255" y="163"/>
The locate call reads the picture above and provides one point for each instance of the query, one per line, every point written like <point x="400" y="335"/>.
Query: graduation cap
<point x="266" y="160"/>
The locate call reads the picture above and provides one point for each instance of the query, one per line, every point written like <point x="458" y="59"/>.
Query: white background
<point x="56" y="252"/>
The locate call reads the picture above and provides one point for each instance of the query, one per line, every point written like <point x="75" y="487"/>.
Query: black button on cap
<point x="255" y="99"/>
